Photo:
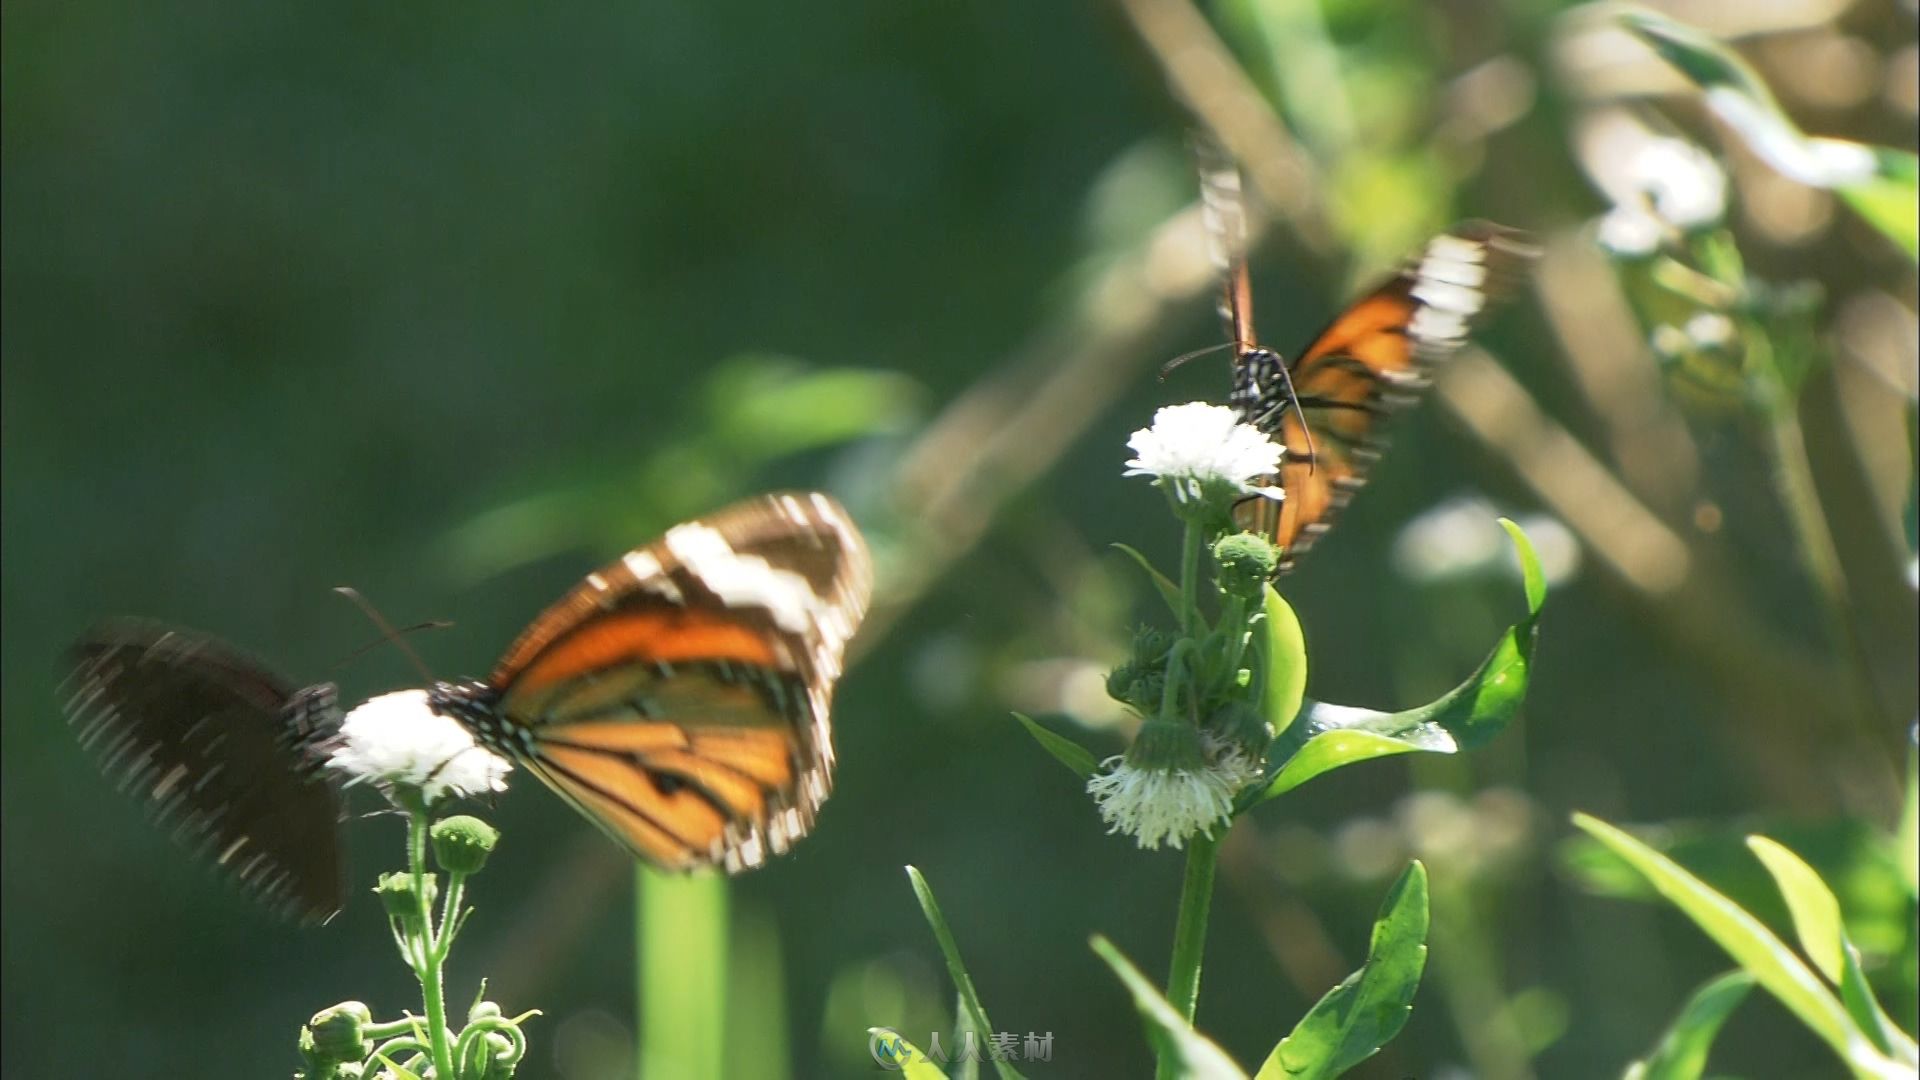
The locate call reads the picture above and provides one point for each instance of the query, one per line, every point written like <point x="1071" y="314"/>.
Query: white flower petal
<point x="397" y="739"/>
<point x="1170" y="806"/>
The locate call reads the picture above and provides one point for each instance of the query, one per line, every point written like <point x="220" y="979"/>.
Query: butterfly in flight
<point x="678" y="698"/>
<point x="1329" y="406"/>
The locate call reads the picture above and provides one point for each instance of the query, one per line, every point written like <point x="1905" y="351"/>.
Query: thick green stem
<point x="1190" y="935"/>
<point x="426" y="957"/>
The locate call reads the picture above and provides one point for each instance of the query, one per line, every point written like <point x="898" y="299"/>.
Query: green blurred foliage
<point x="452" y="304"/>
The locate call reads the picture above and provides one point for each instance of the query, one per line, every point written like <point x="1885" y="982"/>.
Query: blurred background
<point x="453" y="304"/>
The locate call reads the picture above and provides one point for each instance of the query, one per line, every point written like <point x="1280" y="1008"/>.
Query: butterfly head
<point x="475" y="704"/>
<point x="1259" y="387"/>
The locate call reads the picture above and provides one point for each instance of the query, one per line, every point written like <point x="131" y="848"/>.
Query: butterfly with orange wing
<point x="678" y="698"/>
<point x="1330" y="406"/>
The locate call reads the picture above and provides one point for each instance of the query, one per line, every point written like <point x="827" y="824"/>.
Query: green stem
<point x="428" y="958"/>
<point x="1190" y="936"/>
<point x="1190" y="580"/>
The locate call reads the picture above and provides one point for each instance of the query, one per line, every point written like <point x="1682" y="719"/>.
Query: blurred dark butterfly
<point x="678" y="698"/>
<point x="227" y="753"/>
<point x="1329" y="406"/>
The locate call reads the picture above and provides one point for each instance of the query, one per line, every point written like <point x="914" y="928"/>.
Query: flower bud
<point x="1246" y="561"/>
<point x="461" y="843"/>
<point x="1240" y="724"/>
<point x="337" y="1034"/>
<point x="396" y="894"/>
<point x="1168" y="745"/>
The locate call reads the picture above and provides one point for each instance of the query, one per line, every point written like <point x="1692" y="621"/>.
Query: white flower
<point x="1156" y="804"/>
<point x="1686" y="186"/>
<point x="1195" y="446"/>
<point x="398" y="740"/>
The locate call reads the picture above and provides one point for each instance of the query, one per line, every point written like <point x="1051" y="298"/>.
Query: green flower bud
<point x="483" y="1010"/>
<point x="1246" y="561"/>
<point x="396" y="894"/>
<point x="1167" y="745"/>
<point x="461" y="843"/>
<point x="1150" y="647"/>
<point x="336" y="1035"/>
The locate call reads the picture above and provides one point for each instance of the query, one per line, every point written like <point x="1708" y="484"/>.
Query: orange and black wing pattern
<point x="679" y="697"/>
<point x="1374" y="359"/>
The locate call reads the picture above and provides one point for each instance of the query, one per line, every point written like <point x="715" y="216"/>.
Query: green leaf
<point x="1328" y="737"/>
<point x="1879" y="183"/>
<point x="1355" y="1019"/>
<point x="1169" y="591"/>
<point x="1823" y="937"/>
<point x="1682" y="1053"/>
<point x="913" y="1063"/>
<point x="1283" y="683"/>
<point x="1064" y="750"/>
<point x="956" y="969"/>
<point x="1771" y="963"/>
<point x="1815" y="911"/>
<point x="1173" y="1039"/>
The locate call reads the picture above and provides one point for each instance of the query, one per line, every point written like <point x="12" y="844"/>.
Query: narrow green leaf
<point x="1064" y="750"/>
<point x="1815" y="911"/>
<point x="1768" y="959"/>
<point x="1327" y="736"/>
<point x="1195" y="1056"/>
<point x="956" y="969"/>
<point x="912" y="1062"/>
<point x="1879" y="183"/>
<point x="1355" y="1019"/>
<point x="1531" y="574"/>
<point x="1823" y="937"/>
<point x="1169" y="591"/>
<point x="1283" y="683"/>
<point x="1682" y="1052"/>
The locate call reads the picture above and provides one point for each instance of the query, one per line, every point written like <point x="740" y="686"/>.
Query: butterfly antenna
<point x="1167" y="368"/>
<point x="388" y="632"/>
<point x="1306" y="428"/>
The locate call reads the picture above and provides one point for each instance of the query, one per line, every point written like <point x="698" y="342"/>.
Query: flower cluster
<point x="1201" y="742"/>
<point x="396" y="741"/>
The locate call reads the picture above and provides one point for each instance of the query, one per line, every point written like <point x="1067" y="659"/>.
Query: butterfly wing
<point x="1372" y="360"/>
<point x="224" y="751"/>
<point x="679" y="697"/>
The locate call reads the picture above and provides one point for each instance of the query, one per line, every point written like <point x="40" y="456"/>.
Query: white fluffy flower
<point x="1687" y="188"/>
<point x="1154" y="805"/>
<point x="1196" y="446"/>
<point x="397" y="740"/>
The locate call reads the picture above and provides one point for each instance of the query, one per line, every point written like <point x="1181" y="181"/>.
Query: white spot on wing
<point x="745" y="580"/>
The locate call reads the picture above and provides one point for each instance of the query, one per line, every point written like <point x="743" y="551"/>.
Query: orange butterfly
<point x="679" y="697"/>
<point x="1329" y="407"/>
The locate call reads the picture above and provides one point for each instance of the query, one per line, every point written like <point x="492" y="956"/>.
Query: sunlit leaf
<point x="1907" y="839"/>
<point x="1283" y="683"/>
<point x="1194" y="1056"/>
<point x="956" y="969"/>
<point x="1815" y="911"/>
<point x="1880" y="184"/>
<point x="1823" y="937"/>
<point x="1064" y="750"/>
<point x="1327" y="737"/>
<point x="1682" y="1053"/>
<point x="1768" y="959"/>
<point x="766" y="407"/>
<point x="1355" y="1019"/>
